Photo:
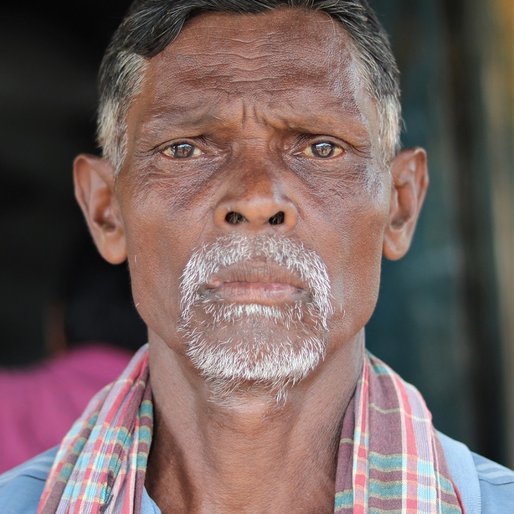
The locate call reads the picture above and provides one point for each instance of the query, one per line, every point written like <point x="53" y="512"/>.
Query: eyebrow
<point x="192" y="115"/>
<point x="178" y="121"/>
<point x="203" y="116"/>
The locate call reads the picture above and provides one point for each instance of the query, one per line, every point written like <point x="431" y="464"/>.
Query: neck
<point x="247" y="452"/>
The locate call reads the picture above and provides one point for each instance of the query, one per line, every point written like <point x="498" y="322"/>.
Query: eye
<point x="323" y="150"/>
<point x="181" y="150"/>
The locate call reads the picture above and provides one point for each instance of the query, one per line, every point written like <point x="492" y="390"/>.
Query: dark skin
<point x="253" y="114"/>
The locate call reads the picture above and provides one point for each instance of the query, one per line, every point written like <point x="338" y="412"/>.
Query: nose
<point x="255" y="202"/>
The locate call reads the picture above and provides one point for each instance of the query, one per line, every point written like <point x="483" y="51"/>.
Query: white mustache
<point x="229" y="250"/>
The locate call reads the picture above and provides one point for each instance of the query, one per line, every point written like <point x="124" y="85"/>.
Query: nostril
<point x="234" y="218"/>
<point x="277" y="219"/>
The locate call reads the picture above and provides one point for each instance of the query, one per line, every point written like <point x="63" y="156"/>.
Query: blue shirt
<point x="485" y="486"/>
<point x="22" y="486"/>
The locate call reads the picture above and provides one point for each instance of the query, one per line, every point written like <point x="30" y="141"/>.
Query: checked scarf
<point x="394" y="460"/>
<point x="101" y="463"/>
<point x="390" y="459"/>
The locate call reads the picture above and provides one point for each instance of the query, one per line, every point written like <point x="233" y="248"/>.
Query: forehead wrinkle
<point x="254" y="34"/>
<point x="233" y="67"/>
<point x="259" y="75"/>
<point x="255" y="68"/>
<point x="312" y="102"/>
<point x="261" y="57"/>
<point x="303" y="107"/>
<point x="253" y="42"/>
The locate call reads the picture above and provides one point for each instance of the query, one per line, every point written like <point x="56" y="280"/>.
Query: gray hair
<point x="150" y="25"/>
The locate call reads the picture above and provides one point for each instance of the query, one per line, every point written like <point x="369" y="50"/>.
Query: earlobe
<point x="410" y="182"/>
<point x="94" y="190"/>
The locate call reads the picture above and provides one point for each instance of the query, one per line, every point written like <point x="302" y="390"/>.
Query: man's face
<point x="252" y="196"/>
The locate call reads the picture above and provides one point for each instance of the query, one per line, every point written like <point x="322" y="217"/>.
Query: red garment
<point x="39" y="404"/>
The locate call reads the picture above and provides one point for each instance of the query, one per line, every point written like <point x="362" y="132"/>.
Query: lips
<point x="255" y="282"/>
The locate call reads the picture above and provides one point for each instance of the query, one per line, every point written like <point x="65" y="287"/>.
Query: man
<point x="252" y="178"/>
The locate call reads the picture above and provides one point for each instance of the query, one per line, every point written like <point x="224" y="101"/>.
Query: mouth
<point x="254" y="282"/>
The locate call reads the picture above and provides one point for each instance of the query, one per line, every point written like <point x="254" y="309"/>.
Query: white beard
<point x="275" y="346"/>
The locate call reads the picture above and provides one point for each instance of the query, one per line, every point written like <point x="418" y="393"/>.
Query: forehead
<point x="286" y="59"/>
<point x="301" y="33"/>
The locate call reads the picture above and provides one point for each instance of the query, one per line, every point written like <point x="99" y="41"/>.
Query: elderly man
<point x="252" y="179"/>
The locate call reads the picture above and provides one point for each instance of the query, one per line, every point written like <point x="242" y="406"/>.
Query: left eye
<point x="323" y="150"/>
<point x="181" y="151"/>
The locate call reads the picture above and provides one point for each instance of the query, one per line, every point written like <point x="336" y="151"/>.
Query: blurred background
<point x="445" y="317"/>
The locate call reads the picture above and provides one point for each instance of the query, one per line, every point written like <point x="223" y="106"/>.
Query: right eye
<point x="181" y="150"/>
<point x="323" y="150"/>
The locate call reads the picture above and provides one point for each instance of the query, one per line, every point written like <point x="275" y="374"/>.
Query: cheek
<point x="165" y="216"/>
<point x="156" y="260"/>
<point x="154" y="284"/>
<point x="354" y="245"/>
<point x="359" y="256"/>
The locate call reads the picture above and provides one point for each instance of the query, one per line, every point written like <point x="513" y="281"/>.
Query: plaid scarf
<point x="389" y="460"/>
<point x="101" y="463"/>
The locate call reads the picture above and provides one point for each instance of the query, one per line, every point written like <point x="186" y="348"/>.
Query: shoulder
<point x="21" y="487"/>
<point x="485" y="486"/>
<point x="496" y="485"/>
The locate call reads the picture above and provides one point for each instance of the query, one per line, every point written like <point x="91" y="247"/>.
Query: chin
<point x="254" y="344"/>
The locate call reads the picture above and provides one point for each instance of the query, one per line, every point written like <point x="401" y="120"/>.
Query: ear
<point x="410" y="182"/>
<point x="94" y="191"/>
